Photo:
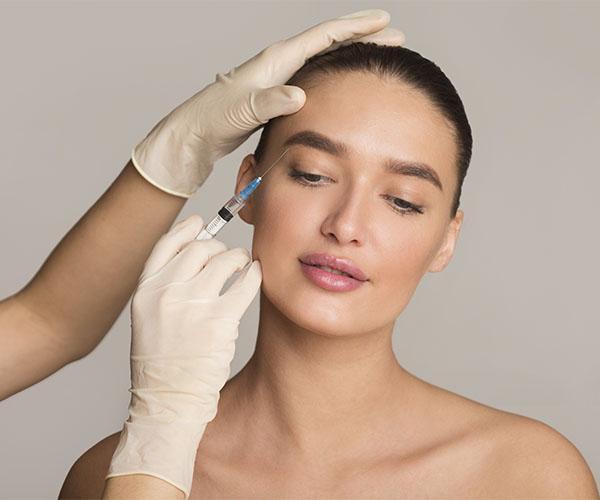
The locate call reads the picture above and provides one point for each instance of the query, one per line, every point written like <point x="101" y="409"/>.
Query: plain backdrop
<point x="513" y="320"/>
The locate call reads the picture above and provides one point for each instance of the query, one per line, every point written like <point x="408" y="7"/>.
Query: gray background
<point x="512" y="322"/>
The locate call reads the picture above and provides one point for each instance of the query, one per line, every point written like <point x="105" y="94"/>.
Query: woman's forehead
<point x="375" y="118"/>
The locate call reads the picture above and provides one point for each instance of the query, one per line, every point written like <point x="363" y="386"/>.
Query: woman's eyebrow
<point x="316" y="140"/>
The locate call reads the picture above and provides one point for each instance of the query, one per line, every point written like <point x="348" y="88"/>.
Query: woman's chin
<point x="314" y="325"/>
<point x="306" y="311"/>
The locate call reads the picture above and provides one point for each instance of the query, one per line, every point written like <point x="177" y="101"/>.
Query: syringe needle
<point x="273" y="164"/>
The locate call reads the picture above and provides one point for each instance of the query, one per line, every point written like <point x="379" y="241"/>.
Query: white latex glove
<point x="183" y="340"/>
<point x="179" y="152"/>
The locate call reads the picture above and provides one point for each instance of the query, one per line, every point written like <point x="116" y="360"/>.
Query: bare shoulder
<point x="534" y="460"/>
<point x="86" y="476"/>
<point x="521" y="457"/>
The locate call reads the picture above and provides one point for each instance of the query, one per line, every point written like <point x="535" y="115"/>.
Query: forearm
<point x="82" y="287"/>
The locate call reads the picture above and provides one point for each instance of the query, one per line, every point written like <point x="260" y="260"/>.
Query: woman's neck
<point x="317" y="397"/>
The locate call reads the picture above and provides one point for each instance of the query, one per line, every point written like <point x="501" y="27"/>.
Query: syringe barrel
<point x="226" y="213"/>
<point x="232" y="207"/>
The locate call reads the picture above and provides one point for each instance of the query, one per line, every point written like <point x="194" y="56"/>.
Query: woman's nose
<point x="348" y="217"/>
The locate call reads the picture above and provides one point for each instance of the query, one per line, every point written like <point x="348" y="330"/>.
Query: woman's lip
<point x="330" y="281"/>
<point x="341" y="263"/>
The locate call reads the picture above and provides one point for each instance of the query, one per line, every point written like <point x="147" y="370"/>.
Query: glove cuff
<point x="148" y="178"/>
<point x="167" y="452"/>
<point x="168" y="167"/>
<point x="166" y="422"/>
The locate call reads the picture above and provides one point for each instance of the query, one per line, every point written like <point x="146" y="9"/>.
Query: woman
<point x="372" y="179"/>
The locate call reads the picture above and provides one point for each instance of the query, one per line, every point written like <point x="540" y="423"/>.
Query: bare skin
<point x="323" y="409"/>
<point x="467" y="450"/>
<point x="456" y="448"/>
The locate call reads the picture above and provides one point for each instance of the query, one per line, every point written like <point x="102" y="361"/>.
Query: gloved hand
<point x="178" y="154"/>
<point x="183" y="340"/>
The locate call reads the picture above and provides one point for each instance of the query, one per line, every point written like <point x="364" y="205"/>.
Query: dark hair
<point x="402" y="64"/>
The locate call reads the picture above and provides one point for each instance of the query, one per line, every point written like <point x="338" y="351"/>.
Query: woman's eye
<point x="404" y="206"/>
<point x="306" y="178"/>
<point x="311" y="180"/>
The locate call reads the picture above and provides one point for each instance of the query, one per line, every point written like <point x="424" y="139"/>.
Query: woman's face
<point x="355" y="209"/>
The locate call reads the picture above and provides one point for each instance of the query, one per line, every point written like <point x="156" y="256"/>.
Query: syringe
<point x="232" y="207"/>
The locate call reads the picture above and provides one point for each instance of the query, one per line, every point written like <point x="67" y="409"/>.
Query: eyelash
<point x="301" y="178"/>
